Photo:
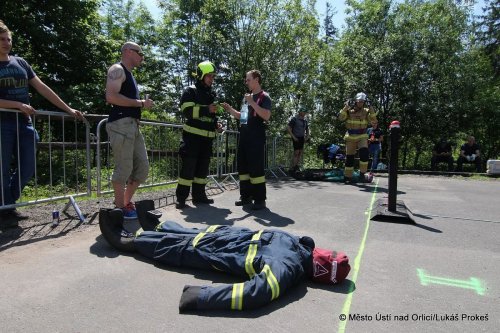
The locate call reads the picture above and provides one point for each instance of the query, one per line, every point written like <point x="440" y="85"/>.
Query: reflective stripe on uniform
<point x="252" y="252"/>
<point x="357" y="122"/>
<point x="185" y="182"/>
<point x="353" y="137"/>
<point x="272" y="281"/>
<point x="245" y="176"/>
<point x="258" y="180"/>
<point x="187" y="105"/>
<point x="197" y="131"/>
<point x="200" y="180"/>
<point x="237" y="296"/>
<point x="206" y="119"/>
<point x="196" y="112"/>
<point x="203" y="233"/>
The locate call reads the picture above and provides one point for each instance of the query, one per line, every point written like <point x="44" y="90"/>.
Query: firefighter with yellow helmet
<point x="357" y="115"/>
<point x="198" y="108"/>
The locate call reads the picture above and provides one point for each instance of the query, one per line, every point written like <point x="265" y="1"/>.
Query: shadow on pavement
<point x="209" y="214"/>
<point x="23" y="235"/>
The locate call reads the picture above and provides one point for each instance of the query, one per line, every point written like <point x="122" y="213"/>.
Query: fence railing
<point x="50" y="159"/>
<point x="71" y="161"/>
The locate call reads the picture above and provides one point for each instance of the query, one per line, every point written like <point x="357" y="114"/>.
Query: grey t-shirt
<point x="298" y="126"/>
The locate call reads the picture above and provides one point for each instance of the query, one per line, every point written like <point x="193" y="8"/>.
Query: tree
<point x="239" y="36"/>
<point x="61" y="41"/>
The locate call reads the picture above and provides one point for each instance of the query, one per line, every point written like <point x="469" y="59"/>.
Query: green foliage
<point x="426" y="63"/>
<point x="63" y="43"/>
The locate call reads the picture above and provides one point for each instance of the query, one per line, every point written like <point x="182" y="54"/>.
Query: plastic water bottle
<point x="55" y="218"/>
<point x="244" y="114"/>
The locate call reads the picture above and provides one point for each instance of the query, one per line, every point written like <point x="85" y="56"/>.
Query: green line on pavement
<point x="473" y="283"/>
<point x="347" y="303"/>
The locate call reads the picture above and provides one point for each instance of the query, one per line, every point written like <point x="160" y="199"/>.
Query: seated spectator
<point x="330" y="153"/>
<point x="469" y="153"/>
<point x="441" y="153"/>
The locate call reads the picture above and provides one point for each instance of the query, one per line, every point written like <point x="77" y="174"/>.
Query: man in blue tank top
<point x="18" y="136"/>
<point x="127" y="142"/>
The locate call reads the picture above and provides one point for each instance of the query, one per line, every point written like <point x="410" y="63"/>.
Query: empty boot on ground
<point x="111" y="225"/>
<point x="149" y="218"/>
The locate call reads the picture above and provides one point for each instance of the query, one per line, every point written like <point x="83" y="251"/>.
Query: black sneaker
<point x="243" y="202"/>
<point x="203" y="201"/>
<point x="258" y="205"/>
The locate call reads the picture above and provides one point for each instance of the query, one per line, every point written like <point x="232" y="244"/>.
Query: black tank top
<point x="128" y="89"/>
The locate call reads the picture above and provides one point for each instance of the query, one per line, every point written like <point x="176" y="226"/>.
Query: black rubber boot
<point x="243" y="202"/>
<point x="180" y="204"/>
<point x="149" y="218"/>
<point x="258" y="205"/>
<point x="111" y="225"/>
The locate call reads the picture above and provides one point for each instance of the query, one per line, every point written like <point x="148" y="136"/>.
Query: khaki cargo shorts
<point x="129" y="151"/>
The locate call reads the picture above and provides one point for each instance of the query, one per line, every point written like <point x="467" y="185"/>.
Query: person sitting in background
<point x="330" y="153"/>
<point x="469" y="153"/>
<point x="441" y="153"/>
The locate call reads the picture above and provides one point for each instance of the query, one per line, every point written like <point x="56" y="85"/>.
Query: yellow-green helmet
<point x="205" y="67"/>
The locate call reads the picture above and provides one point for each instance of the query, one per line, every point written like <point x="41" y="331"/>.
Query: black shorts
<point x="299" y="144"/>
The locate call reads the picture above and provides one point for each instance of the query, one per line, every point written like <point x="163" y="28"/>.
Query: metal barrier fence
<point x="227" y="152"/>
<point x="162" y="144"/>
<point x="70" y="161"/>
<point x="61" y="171"/>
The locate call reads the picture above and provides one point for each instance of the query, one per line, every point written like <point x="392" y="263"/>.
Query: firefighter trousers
<point x="195" y="151"/>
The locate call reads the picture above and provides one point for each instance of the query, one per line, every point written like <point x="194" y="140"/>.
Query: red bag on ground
<point x="330" y="267"/>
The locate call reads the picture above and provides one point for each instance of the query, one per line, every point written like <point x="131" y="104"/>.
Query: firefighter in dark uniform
<point x="197" y="106"/>
<point x="268" y="262"/>
<point x="252" y="142"/>
<point x="357" y="115"/>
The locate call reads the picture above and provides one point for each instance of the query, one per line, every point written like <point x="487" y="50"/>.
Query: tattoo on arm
<point x="115" y="74"/>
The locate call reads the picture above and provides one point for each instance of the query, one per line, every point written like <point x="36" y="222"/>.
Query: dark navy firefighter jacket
<point x="268" y="262"/>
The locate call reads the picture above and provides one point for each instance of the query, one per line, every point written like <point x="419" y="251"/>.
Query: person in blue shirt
<point x="375" y="138"/>
<point x="18" y="135"/>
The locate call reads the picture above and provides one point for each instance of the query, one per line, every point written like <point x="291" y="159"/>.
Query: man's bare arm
<point x="114" y="81"/>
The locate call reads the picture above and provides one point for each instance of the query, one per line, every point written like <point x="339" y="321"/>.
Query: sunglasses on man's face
<point x="138" y="52"/>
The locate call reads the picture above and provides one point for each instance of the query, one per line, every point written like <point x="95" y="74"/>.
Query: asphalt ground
<point x="440" y="274"/>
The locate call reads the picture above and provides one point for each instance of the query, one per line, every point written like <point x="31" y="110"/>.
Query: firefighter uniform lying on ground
<point x="357" y="116"/>
<point x="267" y="262"/>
